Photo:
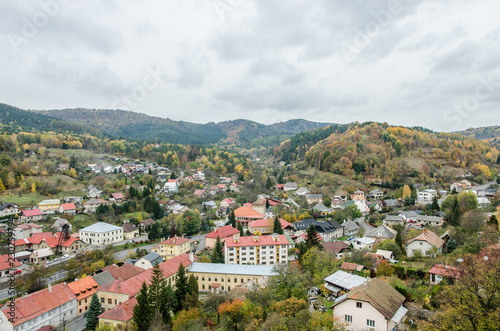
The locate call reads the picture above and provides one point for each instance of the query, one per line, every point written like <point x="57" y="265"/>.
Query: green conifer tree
<point x="217" y="255"/>
<point x="181" y="288"/>
<point x="142" y="310"/>
<point x="95" y="309"/>
<point x="277" y="226"/>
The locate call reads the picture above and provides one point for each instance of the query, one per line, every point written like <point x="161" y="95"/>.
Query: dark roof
<point x="128" y="227"/>
<point x="304" y="224"/>
<point x="103" y="278"/>
<point x="380" y="295"/>
<point x="153" y="258"/>
<point x="4" y="205"/>
<point x="334" y="246"/>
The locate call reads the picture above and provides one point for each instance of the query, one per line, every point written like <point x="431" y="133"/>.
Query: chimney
<point x="50" y="287"/>
<point x="191" y="256"/>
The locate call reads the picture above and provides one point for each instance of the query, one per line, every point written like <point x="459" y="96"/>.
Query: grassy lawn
<point x="81" y="221"/>
<point x="25" y="200"/>
<point x="135" y="215"/>
<point x="131" y="246"/>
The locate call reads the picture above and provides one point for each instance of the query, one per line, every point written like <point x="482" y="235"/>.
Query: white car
<point x="65" y="256"/>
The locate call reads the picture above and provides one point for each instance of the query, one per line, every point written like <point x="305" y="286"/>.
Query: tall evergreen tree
<point x="269" y="183"/>
<point x="95" y="310"/>
<point x="277" y="226"/>
<point x="181" y="287"/>
<point x="312" y="237"/>
<point x="240" y="228"/>
<point x="435" y="204"/>
<point x="191" y="300"/>
<point x="455" y="212"/>
<point x="142" y="310"/>
<point x="281" y="180"/>
<point x="232" y="219"/>
<point x="217" y="255"/>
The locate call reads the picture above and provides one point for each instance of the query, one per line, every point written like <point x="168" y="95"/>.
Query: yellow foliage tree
<point x="2" y="187"/>
<point x="33" y="187"/>
<point x="406" y="191"/>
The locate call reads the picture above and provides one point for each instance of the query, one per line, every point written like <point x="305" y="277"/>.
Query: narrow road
<point x="77" y="323"/>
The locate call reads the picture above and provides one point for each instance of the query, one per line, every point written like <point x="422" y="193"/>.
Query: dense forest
<point x="490" y="133"/>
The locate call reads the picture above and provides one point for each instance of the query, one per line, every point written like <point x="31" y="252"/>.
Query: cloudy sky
<point x="414" y="63"/>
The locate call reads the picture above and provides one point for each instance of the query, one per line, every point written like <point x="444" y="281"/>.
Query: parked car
<point x="17" y="272"/>
<point x="65" y="256"/>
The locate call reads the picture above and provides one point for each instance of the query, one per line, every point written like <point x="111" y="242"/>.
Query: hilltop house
<point x="428" y="244"/>
<point x="101" y="234"/>
<point x="30" y="215"/>
<point x="49" y="206"/>
<point x="171" y="186"/>
<point x="375" y="194"/>
<point x="7" y="208"/>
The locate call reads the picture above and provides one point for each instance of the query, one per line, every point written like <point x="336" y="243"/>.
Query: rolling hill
<point x="490" y="133"/>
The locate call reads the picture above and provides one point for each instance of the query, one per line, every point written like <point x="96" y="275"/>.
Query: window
<point x="110" y="301"/>
<point x="203" y="278"/>
<point x="348" y="318"/>
<point x="203" y="286"/>
<point x="359" y="305"/>
<point x="229" y="280"/>
<point x="209" y="279"/>
<point x="235" y="280"/>
<point x="102" y="300"/>
<point x="370" y="323"/>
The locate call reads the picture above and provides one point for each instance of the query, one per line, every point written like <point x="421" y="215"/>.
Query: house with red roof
<point x="30" y="215"/>
<point x="119" y="315"/>
<point x="8" y="266"/>
<point x="440" y="272"/>
<point x="246" y="214"/>
<point x="262" y="250"/>
<point x="67" y="208"/>
<point x="84" y="289"/>
<point x="171" y="186"/>
<point x="221" y="232"/>
<point x="227" y="202"/>
<point x="123" y="271"/>
<point x="50" y="306"/>
<point x="117" y="197"/>
<point x="200" y="194"/>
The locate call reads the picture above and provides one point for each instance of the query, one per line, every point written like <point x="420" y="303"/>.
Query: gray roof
<point x="376" y="191"/>
<point x="350" y="226"/>
<point x="380" y="232"/>
<point x="153" y="257"/>
<point x="391" y="203"/>
<point x="345" y="280"/>
<point x="321" y="207"/>
<point x="314" y="196"/>
<point x="101" y="227"/>
<point x="240" y="269"/>
<point x="408" y="214"/>
<point x="103" y="278"/>
<point x="393" y="218"/>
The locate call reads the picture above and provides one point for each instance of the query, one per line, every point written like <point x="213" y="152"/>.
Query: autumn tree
<point x="406" y="192"/>
<point x="232" y="311"/>
<point x="385" y="269"/>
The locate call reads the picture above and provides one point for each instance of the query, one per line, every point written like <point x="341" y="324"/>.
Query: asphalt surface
<point x="77" y="323"/>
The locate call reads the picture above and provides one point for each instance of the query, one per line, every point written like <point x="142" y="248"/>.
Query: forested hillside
<point x="375" y="150"/>
<point x="490" y="133"/>
<point x="13" y="118"/>
<point x="133" y="125"/>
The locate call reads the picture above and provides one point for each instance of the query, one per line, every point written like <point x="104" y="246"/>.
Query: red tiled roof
<point x="445" y="271"/>
<point x="263" y="241"/>
<point x="118" y="195"/>
<point x="123" y="272"/>
<point x="491" y="252"/>
<point x="38" y="303"/>
<point x="247" y="212"/>
<point x="199" y="192"/>
<point x="351" y="266"/>
<point x="172" y="180"/>
<point x="6" y="264"/>
<point x="41" y="234"/>
<point x="32" y="212"/>
<point x="268" y="222"/>
<point x="222" y="232"/>
<point x="305" y="236"/>
<point x="68" y="206"/>
<point x="83" y="288"/>
<point x="133" y="285"/>
<point x="123" y="312"/>
<point x="174" y="241"/>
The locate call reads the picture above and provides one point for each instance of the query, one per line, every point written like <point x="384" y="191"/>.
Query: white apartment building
<point x="101" y="234"/>
<point x="263" y="250"/>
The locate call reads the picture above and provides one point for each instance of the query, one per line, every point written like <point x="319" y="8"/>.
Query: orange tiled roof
<point x="174" y="241"/>
<point x="222" y="232"/>
<point x="268" y="222"/>
<point x="247" y="212"/>
<point x="123" y="312"/>
<point x="6" y="264"/>
<point x="83" y="288"/>
<point x="68" y="206"/>
<point x="124" y="271"/>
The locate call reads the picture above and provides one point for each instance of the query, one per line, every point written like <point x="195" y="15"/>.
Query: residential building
<point x="390" y="203"/>
<point x="7" y="208"/>
<point x="387" y="255"/>
<point x="117" y="197"/>
<point x="120" y="315"/>
<point x="51" y="306"/>
<point x="392" y="220"/>
<point x="172" y="247"/>
<point x="266" y="226"/>
<point x="148" y="261"/>
<point x="67" y="208"/>
<point x="75" y="200"/>
<point x="427" y="195"/>
<point x="352" y="267"/>
<point x="350" y="228"/>
<point x="441" y="272"/>
<point x="209" y="204"/>
<point x="409" y="216"/>
<point x="314" y="198"/>
<point x="338" y="248"/>
<point x="321" y="209"/>
<point x="457" y="186"/>
<point x="101" y="234"/>
<point x="130" y="231"/>
<point x="327" y="230"/>
<point x="83" y="289"/>
<point x="376" y="194"/>
<point x="362" y="243"/>
<point x="200" y="193"/>
<point x="428" y="244"/>
<point x="40" y="255"/>
<point x="381" y="233"/>
<point x="246" y="214"/>
<point x="373" y="305"/>
<point x="102" y="278"/>
<point x="227" y="202"/>
<point x="430" y="220"/>
<point x="199" y="176"/>
<point x="30" y="215"/>
<point x="58" y="225"/>
<point x="146" y="223"/>
<point x="90" y="206"/>
<point x="263" y="250"/>
<point x="302" y="191"/>
<point x="171" y="186"/>
<point x="221" y="232"/>
<point x="49" y="206"/>
<point x="358" y="196"/>
<point x="23" y="231"/>
<point x="360" y="204"/>
<point x="123" y="271"/>
<point x="8" y="267"/>
<point x="213" y="277"/>
<point x="93" y="192"/>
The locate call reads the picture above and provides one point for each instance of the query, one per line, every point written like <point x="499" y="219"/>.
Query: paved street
<point x="201" y="239"/>
<point x="121" y="255"/>
<point x="77" y="323"/>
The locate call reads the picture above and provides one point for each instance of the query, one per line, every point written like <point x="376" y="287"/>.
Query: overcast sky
<point x="413" y="63"/>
